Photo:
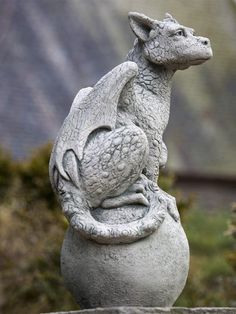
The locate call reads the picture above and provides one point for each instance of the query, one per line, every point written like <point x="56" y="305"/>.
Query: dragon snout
<point x="205" y="47"/>
<point x="204" y="41"/>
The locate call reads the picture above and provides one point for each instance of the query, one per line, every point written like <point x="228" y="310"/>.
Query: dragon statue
<point x="105" y="162"/>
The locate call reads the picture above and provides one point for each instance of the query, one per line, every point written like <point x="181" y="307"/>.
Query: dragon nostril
<point x="205" y="42"/>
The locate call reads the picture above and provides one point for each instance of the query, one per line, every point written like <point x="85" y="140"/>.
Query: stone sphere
<point x="151" y="272"/>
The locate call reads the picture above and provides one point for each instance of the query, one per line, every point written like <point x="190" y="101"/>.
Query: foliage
<point x="34" y="179"/>
<point x="231" y="255"/>
<point x="31" y="281"/>
<point x="211" y="280"/>
<point x="7" y="173"/>
<point x="32" y="231"/>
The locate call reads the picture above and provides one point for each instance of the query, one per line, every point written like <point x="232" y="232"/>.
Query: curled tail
<point x="77" y="211"/>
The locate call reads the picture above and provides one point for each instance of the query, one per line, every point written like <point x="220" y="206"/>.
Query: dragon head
<point x="168" y="43"/>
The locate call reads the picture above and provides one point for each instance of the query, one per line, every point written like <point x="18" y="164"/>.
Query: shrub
<point x="7" y="174"/>
<point x="34" y="180"/>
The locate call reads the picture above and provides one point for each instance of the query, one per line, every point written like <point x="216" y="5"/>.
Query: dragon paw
<point x="171" y="205"/>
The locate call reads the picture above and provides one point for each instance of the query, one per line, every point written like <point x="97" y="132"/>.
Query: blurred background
<point x="51" y="49"/>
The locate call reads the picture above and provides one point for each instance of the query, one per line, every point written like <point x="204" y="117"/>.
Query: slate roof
<point x="51" y="49"/>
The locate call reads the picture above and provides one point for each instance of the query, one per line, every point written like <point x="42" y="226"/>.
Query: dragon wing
<point x="92" y="108"/>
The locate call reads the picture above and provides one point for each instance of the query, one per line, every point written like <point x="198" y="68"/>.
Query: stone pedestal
<point x="150" y="272"/>
<point x="155" y="310"/>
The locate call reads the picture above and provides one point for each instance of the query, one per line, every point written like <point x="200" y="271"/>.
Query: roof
<point x="51" y="49"/>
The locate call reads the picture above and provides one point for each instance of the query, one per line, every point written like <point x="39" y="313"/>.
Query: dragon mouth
<point x="206" y="56"/>
<point x="200" y="60"/>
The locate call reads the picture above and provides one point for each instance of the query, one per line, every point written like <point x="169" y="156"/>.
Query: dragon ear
<point x="141" y="25"/>
<point x="169" y="17"/>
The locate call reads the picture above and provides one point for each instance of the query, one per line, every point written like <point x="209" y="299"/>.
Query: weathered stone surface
<point x="146" y="310"/>
<point x="110" y="148"/>
<point x="125" y="244"/>
<point x="115" y="272"/>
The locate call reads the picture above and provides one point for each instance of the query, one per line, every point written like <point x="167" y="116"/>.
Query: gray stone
<point x="125" y="244"/>
<point x="146" y="310"/>
<point x="101" y="275"/>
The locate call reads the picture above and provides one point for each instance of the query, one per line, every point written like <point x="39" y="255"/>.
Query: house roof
<point x="51" y="49"/>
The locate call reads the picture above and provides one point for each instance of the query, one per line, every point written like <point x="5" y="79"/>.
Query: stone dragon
<point x="106" y="159"/>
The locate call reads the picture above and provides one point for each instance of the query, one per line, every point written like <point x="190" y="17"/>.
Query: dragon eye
<point x="180" y="32"/>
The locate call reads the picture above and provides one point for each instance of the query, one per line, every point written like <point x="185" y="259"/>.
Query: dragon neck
<point x="152" y="77"/>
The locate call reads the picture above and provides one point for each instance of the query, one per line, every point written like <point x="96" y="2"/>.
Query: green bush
<point x="32" y="231"/>
<point x="7" y="174"/>
<point x="34" y="179"/>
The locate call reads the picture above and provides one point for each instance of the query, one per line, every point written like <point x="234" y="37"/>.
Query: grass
<point x="211" y="281"/>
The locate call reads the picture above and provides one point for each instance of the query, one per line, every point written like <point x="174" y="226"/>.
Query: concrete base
<point x="155" y="310"/>
<point x="151" y="272"/>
